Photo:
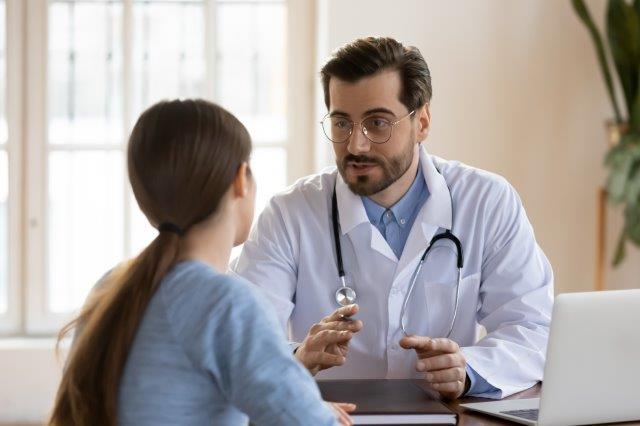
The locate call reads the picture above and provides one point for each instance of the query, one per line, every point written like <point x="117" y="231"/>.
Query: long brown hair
<point x="183" y="156"/>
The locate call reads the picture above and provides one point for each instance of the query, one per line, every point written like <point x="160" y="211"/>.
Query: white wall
<point x="30" y="375"/>
<point x="517" y="91"/>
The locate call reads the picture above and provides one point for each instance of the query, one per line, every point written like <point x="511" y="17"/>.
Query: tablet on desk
<point x="380" y="401"/>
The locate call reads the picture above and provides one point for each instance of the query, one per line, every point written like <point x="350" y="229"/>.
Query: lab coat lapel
<point x="435" y="214"/>
<point x="353" y="217"/>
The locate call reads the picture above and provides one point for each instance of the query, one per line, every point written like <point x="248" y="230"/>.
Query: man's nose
<point x="358" y="142"/>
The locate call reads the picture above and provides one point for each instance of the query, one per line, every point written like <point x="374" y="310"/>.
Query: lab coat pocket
<point x="441" y="305"/>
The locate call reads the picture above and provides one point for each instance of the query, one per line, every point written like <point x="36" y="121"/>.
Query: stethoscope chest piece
<point x="345" y="296"/>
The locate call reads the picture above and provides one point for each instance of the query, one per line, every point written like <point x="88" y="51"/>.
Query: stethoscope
<point x="346" y="295"/>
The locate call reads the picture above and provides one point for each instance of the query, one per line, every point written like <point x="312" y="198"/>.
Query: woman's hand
<point x="341" y="409"/>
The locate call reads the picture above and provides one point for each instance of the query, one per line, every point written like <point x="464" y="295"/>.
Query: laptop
<point x="592" y="372"/>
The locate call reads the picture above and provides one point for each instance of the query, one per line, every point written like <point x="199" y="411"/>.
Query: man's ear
<point x="241" y="182"/>
<point x="424" y="122"/>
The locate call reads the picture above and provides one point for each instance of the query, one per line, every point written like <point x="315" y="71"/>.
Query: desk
<point x="473" y="418"/>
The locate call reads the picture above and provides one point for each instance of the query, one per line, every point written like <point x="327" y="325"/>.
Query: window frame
<point x="10" y="321"/>
<point x="29" y="241"/>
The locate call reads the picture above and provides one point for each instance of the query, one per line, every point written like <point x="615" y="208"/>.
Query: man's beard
<point x="392" y="170"/>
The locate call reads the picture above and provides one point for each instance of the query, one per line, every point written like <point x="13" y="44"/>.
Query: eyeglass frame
<point x="359" y="123"/>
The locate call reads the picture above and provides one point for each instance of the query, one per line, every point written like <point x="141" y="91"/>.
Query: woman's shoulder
<point x="201" y="304"/>
<point x="192" y="284"/>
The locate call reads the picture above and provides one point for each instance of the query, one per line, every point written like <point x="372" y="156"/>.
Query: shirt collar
<point x="437" y="210"/>
<point x="374" y="211"/>
<point x="404" y="208"/>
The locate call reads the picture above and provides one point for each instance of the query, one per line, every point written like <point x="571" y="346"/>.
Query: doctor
<point x="409" y="320"/>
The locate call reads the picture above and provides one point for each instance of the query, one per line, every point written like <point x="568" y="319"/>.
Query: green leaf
<point x="623" y="30"/>
<point x="583" y="13"/>
<point x="632" y="223"/>
<point x="618" y="180"/>
<point x="620" y="250"/>
<point x="623" y="185"/>
<point x="632" y="190"/>
<point x="629" y="145"/>
<point x="621" y="160"/>
<point x="634" y="113"/>
<point x="633" y="186"/>
<point x="616" y="155"/>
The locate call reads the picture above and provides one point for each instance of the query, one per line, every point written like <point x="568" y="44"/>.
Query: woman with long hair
<point x="167" y="337"/>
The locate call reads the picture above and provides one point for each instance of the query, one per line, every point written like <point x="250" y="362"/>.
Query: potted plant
<point x="623" y="158"/>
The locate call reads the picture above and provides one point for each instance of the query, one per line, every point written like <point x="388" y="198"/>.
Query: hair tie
<point x="171" y="227"/>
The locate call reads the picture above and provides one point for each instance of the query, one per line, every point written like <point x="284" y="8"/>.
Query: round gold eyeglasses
<point x="338" y="129"/>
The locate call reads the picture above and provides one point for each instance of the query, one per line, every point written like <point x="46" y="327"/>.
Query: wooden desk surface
<point x="473" y="418"/>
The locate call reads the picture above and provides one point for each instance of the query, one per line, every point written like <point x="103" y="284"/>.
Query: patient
<point x="168" y="338"/>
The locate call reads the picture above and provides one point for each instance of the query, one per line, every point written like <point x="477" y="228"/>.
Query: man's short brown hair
<point x="368" y="56"/>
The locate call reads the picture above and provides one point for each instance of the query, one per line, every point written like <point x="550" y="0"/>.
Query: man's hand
<point x="443" y="364"/>
<point x="327" y="342"/>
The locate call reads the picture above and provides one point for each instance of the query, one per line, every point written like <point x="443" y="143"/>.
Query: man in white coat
<point x="392" y="199"/>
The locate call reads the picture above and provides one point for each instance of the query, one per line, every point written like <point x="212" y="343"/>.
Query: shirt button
<point x="402" y="221"/>
<point x="387" y="215"/>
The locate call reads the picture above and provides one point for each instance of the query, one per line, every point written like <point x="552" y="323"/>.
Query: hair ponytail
<point x="182" y="158"/>
<point x="109" y="322"/>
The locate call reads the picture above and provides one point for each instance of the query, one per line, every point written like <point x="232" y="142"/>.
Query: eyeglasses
<point x="377" y="129"/>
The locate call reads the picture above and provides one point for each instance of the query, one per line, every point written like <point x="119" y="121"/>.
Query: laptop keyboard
<point x="531" y="414"/>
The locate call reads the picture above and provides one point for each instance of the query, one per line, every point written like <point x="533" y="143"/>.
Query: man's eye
<point x="378" y="123"/>
<point x="341" y="124"/>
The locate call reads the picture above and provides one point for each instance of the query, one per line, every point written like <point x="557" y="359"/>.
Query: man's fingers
<point x="326" y="337"/>
<point x="448" y="375"/>
<point x="342" y="312"/>
<point x="354" y="326"/>
<point x="453" y="389"/>
<point x="442" y="345"/>
<point x="415" y="342"/>
<point x="426" y="346"/>
<point x="440" y="362"/>
<point x="326" y="360"/>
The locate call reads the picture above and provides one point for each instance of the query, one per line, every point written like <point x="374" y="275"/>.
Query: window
<point x="93" y="66"/>
<point x="10" y="155"/>
<point x="84" y="148"/>
<point x="4" y="169"/>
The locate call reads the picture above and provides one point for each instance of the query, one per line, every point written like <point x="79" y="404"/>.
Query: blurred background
<point x="517" y="91"/>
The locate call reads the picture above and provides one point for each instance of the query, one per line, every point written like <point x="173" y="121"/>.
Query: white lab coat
<point x="507" y="283"/>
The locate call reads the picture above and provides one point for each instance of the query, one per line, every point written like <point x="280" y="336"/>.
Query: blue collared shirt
<point x="395" y="224"/>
